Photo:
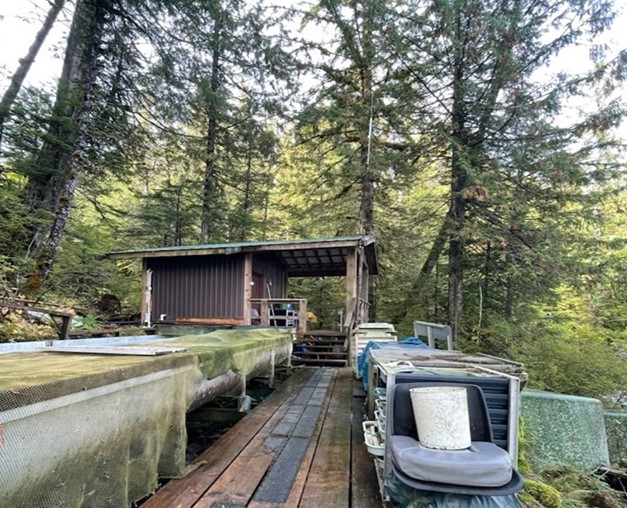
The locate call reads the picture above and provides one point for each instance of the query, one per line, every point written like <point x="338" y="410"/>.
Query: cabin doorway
<point x="258" y="291"/>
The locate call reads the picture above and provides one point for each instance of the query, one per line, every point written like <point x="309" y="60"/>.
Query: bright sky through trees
<point x="19" y="22"/>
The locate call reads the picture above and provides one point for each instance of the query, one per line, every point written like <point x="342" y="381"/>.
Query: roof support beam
<point x="248" y="287"/>
<point x="351" y="285"/>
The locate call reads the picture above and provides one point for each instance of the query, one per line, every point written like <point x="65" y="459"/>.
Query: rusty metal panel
<point x="272" y="269"/>
<point x="198" y="287"/>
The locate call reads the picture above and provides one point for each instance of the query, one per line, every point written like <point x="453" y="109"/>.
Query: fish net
<point x="89" y="430"/>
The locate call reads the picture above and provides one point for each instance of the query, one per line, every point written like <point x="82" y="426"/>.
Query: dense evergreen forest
<point x="490" y="174"/>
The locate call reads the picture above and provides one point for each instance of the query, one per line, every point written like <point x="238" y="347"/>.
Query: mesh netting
<point x="86" y="430"/>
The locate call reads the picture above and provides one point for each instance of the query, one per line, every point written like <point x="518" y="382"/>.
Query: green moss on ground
<point x="562" y="486"/>
<point x="544" y="494"/>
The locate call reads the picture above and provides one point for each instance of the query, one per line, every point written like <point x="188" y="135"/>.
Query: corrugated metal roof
<point x="307" y="257"/>
<point x="236" y="246"/>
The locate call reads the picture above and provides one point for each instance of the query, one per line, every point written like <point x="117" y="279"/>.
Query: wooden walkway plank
<point x="303" y="447"/>
<point x="235" y="489"/>
<point x="238" y="481"/>
<point x="298" y="485"/>
<point x="364" y="483"/>
<point x="184" y="492"/>
<point x="328" y="482"/>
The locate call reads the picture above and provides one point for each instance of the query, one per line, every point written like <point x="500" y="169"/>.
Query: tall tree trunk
<point x="486" y="274"/>
<point x="210" y="182"/>
<point x="247" y="202"/>
<point x="459" y="182"/>
<point x="456" y="245"/>
<point x="77" y="87"/>
<point x="24" y="66"/>
<point x="366" y="208"/>
<point x="437" y="247"/>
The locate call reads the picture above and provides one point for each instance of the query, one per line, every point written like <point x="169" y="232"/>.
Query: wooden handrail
<point x="266" y="316"/>
<point x="66" y="317"/>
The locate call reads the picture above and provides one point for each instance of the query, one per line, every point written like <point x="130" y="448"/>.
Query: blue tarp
<point x="362" y="359"/>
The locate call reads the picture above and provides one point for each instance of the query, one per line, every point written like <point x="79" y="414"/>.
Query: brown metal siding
<point x="198" y="286"/>
<point x="270" y="266"/>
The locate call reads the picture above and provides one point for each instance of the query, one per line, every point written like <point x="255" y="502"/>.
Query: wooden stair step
<point x="325" y="333"/>
<point x="316" y="347"/>
<point x="322" y="353"/>
<point x="322" y="362"/>
<point x="325" y="342"/>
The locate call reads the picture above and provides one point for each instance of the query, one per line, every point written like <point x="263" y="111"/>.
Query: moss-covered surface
<point x="106" y="450"/>
<point x="541" y="493"/>
<point x="108" y="447"/>
<point x="26" y="378"/>
<point x="616" y="429"/>
<point x="236" y="349"/>
<point x="565" y="487"/>
<point x="563" y="429"/>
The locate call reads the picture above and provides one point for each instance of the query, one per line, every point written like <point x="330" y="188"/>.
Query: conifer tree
<point x="17" y="80"/>
<point x="481" y="66"/>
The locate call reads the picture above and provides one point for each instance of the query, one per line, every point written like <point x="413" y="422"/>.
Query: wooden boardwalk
<point x="302" y="447"/>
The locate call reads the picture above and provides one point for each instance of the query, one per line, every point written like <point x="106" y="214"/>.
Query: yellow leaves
<point x="14" y="327"/>
<point x="477" y="193"/>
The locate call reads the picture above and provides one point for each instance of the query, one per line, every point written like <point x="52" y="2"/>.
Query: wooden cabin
<point x="242" y="283"/>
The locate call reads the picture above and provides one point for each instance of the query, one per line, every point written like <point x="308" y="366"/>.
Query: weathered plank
<point x="236" y="485"/>
<point x="115" y="350"/>
<point x="233" y="321"/>
<point x="364" y="485"/>
<point x="238" y="482"/>
<point x="269" y="465"/>
<point x="328" y="482"/>
<point x="184" y="492"/>
<point x="293" y="498"/>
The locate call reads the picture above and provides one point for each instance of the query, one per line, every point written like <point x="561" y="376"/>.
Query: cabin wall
<point x="273" y="271"/>
<point x="197" y="286"/>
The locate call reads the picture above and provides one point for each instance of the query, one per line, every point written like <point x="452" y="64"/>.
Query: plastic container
<point x="441" y="414"/>
<point x="379" y="416"/>
<point x="380" y="405"/>
<point x="380" y="393"/>
<point x="372" y="438"/>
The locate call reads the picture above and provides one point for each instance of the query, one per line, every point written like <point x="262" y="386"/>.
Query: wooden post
<point x="265" y="315"/>
<point x="248" y="281"/>
<point x="351" y="283"/>
<point x="144" y="296"/>
<point x="302" y="316"/>
<point x="64" y="330"/>
<point x="365" y="280"/>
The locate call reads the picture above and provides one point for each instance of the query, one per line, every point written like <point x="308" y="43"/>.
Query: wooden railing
<point x="56" y="315"/>
<point x="280" y="312"/>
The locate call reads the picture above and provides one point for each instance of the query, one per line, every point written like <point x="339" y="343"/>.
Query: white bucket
<point x="441" y="414"/>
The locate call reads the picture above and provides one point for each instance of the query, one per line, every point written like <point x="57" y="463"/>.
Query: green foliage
<point x="407" y="107"/>
<point x="326" y="297"/>
<point x="523" y="448"/>
<point x="578" y="490"/>
<point x="87" y="323"/>
<point x="546" y="495"/>
<point x="81" y="275"/>
<point x="561" y="354"/>
<point x="14" y="327"/>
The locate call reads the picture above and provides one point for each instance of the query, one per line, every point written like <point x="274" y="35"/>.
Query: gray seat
<point x="483" y="469"/>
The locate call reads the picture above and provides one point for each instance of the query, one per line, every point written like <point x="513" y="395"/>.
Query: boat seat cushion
<point x="482" y="465"/>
